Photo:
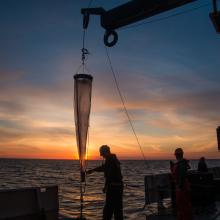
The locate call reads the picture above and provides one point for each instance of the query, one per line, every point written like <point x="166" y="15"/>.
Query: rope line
<point x="123" y="103"/>
<point x="83" y="49"/>
<point x="83" y="66"/>
<point x="166" y="17"/>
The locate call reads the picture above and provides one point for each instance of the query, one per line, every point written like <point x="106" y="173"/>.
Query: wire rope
<point x="84" y="54"/>
<point x="124" y="105"/>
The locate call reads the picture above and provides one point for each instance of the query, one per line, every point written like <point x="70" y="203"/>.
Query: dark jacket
<point x="202" y="167"/>
<point x="111" y="169"/>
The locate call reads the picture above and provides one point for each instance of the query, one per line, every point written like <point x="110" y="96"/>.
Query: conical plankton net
<point x="82" y="106"/>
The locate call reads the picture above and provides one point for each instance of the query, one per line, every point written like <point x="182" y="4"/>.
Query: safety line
<point x="123" y="103"/>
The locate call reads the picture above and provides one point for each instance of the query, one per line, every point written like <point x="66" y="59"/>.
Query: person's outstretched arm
<point x="97" y="169"/>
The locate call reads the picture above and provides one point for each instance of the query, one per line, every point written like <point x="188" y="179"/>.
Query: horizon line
<point x="14" y="158"/>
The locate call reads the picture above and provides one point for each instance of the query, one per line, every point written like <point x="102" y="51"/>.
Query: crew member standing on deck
<point x="202" y="166"/>
<point x="113" y="184"/>
<point x="179" y="173"/>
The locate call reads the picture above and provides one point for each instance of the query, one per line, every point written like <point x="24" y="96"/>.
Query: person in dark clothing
<point x="113" y="184"/>
<point x="202" y="167"/>
<point x="179" y="174"/>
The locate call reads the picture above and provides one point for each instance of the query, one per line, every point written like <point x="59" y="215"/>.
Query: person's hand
<point x="89" y="172"/>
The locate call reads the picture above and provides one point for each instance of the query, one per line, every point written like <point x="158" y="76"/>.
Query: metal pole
<point x="218" y="137"/>
<point x="81" y="201"/>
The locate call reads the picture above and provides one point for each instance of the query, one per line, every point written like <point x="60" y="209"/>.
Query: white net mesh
<point x="82" y="106"/>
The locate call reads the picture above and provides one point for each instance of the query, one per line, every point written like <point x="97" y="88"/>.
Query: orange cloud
<point x="41" y="119"/>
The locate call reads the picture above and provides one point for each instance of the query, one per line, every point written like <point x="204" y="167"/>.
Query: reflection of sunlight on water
<point x="26" y="173"/>
<point x="96" y="197"/>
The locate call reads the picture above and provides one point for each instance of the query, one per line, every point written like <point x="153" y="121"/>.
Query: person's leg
<point x="184" y="208"/>
<point x="187" y="206"/>
<point x="109" y="205"/>
<point x="118" y="203"/>
<point x="179" y="202"/>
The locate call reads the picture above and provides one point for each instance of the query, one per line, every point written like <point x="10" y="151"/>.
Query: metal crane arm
<point x="134" y="11"/>
<point x="137" y="10"/>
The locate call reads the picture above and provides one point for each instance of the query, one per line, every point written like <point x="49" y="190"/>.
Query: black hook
<point x="108" y="34"/>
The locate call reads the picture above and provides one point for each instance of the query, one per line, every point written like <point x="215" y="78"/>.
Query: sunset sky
<point x="168" y="72"/>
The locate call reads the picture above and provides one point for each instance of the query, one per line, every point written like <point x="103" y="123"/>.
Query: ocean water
<point x="16" y="173"/>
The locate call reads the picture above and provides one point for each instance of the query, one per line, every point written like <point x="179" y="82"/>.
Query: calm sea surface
<point x="65" y="174"/>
